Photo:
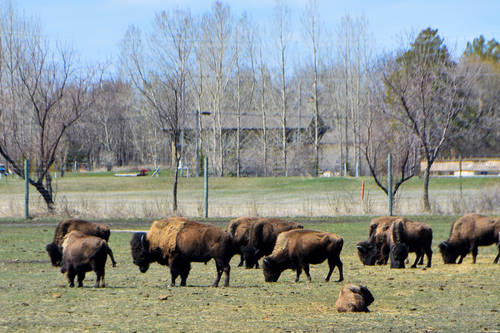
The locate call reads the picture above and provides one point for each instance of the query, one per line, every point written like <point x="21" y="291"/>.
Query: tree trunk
<point x="47" y="196"/>
<point x="427" y="173"/>
<point x="176" y="180"/>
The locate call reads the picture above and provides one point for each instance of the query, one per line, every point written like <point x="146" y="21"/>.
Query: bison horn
<point x="265" y="261"/>
<point x="443" y="245"/>
<point x="143" y="241"/>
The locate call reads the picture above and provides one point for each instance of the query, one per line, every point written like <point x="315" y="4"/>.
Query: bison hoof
<point x="71" y="285"/>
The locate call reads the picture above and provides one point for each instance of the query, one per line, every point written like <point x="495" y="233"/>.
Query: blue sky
<point x="95" y="27"/>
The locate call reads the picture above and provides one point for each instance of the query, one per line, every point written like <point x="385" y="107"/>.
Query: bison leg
<point x="419" y="259"/>
<point x="498" y="255"/>
<point x="474" y="253"/>
<point x="99" y="281"/>
<point x="81" y="277"/>
<point x="306" y="270"/>
<point x="428" y="253"/>
<point x="71" y="276"/>
<point x="462" y="256"/>
<point x="241" y="261"/>
<point x="299" y="271"/>
<point x="332" y="262"/>
<point x="184" y="271"/>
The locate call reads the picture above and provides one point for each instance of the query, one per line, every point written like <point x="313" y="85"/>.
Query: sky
<point x="96" y="27"/>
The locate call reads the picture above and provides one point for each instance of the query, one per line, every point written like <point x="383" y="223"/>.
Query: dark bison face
<point x="367" y="253"/>
<point x="448" y="252"/>
<point x="398" y="255"/>
<point x="140" y="251"/>
<point x="55" y="254"/>
<point x="270" y="270"/>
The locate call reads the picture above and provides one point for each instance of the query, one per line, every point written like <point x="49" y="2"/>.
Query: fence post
<point x="389" y="182"/>
<point x="26" y="189"/>
<point x="205" y="181"/>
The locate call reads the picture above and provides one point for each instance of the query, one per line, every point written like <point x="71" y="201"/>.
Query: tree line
<point x="246" y="96"/>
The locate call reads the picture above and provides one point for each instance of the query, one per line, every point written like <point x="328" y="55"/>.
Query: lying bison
<point x="65" y="227"/>
<point x="262" y="237"/>
<point x="239" y="229"/>
<point x="297" y="249"/>
<point x="467" y="233"/>
<point x="82" y="253"/>
<point x="177" y="242"/>
<point x="416" y="235"/>
<point x="354" y="298"/>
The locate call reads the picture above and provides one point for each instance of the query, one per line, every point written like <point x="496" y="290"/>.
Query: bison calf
<point x="177" y="242"/>
<point x="467" y="233"/>
<point x="82" y="253"/>
<point x="354" y="298"/>
<point x="296" y="249"/>
<point x="65" y="227"/>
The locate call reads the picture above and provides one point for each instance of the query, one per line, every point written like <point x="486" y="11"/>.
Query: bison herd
<point x="80" y="246"/>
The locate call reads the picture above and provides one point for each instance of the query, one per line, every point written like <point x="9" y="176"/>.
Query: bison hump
<point x="163" y="234"/>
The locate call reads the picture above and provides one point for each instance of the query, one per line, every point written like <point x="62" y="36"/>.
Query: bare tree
<point x="160" y="71"/>
<point x="282" y="21"/>
<point x="42" y="96"/>
<point x="427" y="92"/>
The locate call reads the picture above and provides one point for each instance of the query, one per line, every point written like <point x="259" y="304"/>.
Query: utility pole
<point x="26" y="189"/>
<point x="205" y="192"/>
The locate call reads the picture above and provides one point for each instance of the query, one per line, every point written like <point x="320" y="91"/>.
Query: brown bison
<point x="416" y="235"/>
<point x="354" y="298"/>
<point x="466" y="234"/>
<point x="92" y="229"/>
<point x="82" y="253"/>
<point x="239" y="229"/>
<point x="262" y="237"/>
<point x="373" y="250"/>
<point x="296" y="249"/>
<point x="398" y="249"/>
<point x="177" y="242"/>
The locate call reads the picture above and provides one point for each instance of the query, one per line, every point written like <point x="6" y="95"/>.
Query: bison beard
<point x="194" y="242"/>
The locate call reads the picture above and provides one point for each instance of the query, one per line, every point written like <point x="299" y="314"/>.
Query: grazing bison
<point x="65" y="227"/>
<point x="82" y="253"/>
<point x="416" y="235"/>
<point x="296" y="249"/>
<point x="373" y="251"/>
<point x="239" y="229"/>
<point x="177" y="242"/>
<point x="354" y="298"/>
<point x="262" y="237"/>
<point x="466" y="234"/>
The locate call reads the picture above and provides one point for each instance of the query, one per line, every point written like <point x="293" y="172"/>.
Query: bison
<point x="416" y="235"/>
<point x="296" y="249"/>
<point x="239" y="229"/>
<point x="373" y="250"/>
<point x="466" y="234"/>
<point x="177" y="242"/>
<point x="354" y="298"/>
<point x="262" y="237"/>
<point x="82" y="253"/>
<point x="398" y="249"/>
<point x="66" y="226"/>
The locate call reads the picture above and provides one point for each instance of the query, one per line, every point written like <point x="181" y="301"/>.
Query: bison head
<point x="55" y="254"/>
<point x="448" y="252"/>
<point x="398" y="255"/>
<point x="140" y="251"/>
<point x="271" y="270"/>
<point x="367" y="253"/>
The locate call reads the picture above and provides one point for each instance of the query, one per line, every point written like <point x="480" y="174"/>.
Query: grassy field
<point x="101" y="195"/>
<point x="34" y="295"/>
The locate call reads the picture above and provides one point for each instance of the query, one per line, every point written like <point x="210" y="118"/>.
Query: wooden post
<point x="26" y="189"/>
<point x="205" y="193"/>
<point x="389" y="182"/>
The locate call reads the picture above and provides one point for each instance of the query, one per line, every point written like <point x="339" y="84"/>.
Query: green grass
<point x="34" y="296"/>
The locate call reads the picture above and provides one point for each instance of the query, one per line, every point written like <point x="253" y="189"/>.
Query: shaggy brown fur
<point x="66" y="226"/>
<point x="262" y="238"/>
<point x="82" y="253"/>
<point x="239" y="229"/>
<point x="194" y="242"/>
<point x="354" y="298"/>
<point x="417" y="236"/>
<point x="467" y="233"/>
<point x="296" y="249"/>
